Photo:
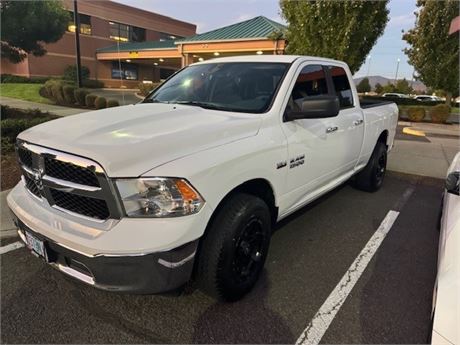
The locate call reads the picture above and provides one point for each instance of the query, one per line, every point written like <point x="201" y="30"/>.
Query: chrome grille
<point x="71" y="184"/>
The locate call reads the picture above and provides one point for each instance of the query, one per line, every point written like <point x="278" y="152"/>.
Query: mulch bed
<point x="10" y="171"/>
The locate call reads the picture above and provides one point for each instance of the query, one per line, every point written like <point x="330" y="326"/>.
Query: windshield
<point x="240" y="86"/>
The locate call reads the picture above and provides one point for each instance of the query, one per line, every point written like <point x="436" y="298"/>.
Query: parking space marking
<point x="323" y="318"/>
<point x="10" y="247"/>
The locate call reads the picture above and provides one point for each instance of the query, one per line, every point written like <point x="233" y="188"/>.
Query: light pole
<point x="77" y="41"/>
<point x="397" y="69"/>
<point x="369" y="57"/>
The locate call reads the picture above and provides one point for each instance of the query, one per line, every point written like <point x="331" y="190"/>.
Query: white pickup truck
<point x="189" y="182"/>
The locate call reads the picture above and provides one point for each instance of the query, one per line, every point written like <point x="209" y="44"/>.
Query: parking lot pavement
<point x="310" y="252"/>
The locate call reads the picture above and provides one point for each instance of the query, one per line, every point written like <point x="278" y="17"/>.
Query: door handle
<point x="331" y="129"/>
<point x="358" y="122"/>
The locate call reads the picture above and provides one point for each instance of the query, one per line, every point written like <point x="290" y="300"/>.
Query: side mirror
<point x="315" y="107"/>
<point x="453" y="183"/>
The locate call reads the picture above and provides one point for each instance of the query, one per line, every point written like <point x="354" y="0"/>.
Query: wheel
<point x="370" y="179"/>
<point x="235" y="247"/>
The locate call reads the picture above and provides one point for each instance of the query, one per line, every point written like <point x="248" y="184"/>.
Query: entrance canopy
<point x="258" y="35"/>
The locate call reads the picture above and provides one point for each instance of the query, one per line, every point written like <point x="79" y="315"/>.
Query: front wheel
<point x="370" y="179"/>
<point x="234" y="248"/>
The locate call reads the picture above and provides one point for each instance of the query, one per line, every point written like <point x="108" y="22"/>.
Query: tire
<point x="234" y="249"/>
<point x="370" y="179"/>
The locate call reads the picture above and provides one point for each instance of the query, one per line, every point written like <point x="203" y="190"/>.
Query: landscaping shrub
<point x="93" y="84"/>
<point x="68" y="92"/>
<point x="70" y="73"/>
<point x="100" y="103"/>
<point x="89" y="100"/>
<point x="80" y="96"/>
<point x="112" y="103"/>
<point x="440" y="113"/>
<point x="416" y="114"/>
<point x="14" y="121"/>
<point x="43" y="92"/>
<point x="54" y="90"/>
<point x="144" y="89"/>
<point x="8" y="78"/>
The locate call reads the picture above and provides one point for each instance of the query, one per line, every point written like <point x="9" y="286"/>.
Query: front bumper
<point x="141" y="274"/>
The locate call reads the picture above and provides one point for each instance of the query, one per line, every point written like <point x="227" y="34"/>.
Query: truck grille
<point x="68" y="183"/>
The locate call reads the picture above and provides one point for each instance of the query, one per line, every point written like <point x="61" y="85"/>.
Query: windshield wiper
<point x="205" y="105"/>
<point x="152" y="100"/>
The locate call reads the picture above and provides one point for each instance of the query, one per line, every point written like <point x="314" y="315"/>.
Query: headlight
<point x="159" y="197"/>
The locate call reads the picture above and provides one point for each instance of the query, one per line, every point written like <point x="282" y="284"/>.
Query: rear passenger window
<point x="310" y="82"/>
<point x="341" y="86"/>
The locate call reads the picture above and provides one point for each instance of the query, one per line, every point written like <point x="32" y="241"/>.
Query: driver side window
<point x="311" y="82"/>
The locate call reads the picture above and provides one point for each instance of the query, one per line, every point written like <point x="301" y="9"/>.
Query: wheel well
<point x="383" y="137"/>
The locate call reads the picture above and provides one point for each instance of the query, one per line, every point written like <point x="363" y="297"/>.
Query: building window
<point x="126" y="33"/>
<point x="124" y="70"/>
<point x="167" y="37"/>
<point x="85" y="24"/>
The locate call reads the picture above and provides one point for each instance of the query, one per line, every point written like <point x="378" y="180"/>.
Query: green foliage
<point x="440" y="113"/>
<point x="9" y="78"/>
<point x="378" y="88"/>
<point x="432" y="51"/>
<point x="14" y="121"/>
<point x="100" y="103"/>
<point x="342" y="30"/>
<point x="364" y="86"/>
<point x="80" y="96"/>
<point x="112" y="103"/>
<point x="68" y="92"/>
<point x="388" y="88"/>
<point x="402" y="86"/>
<point x="89" y="100"/>
<point x="70" y="73"/>
<point x="42" y="92"/>
<point x="55" y="91"/>
<point x="27" y="25"/>
<point x="145" y="88"/>
<point x="416" y="113"/>
<point x="93" y="84"/>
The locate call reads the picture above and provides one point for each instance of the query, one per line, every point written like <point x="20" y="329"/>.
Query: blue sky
<point x="211" y="14"/>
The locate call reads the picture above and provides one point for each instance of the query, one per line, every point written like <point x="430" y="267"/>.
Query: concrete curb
<point x="7" y="227"/>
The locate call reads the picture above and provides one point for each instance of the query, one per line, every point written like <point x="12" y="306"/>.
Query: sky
<point x="212" y="14"/>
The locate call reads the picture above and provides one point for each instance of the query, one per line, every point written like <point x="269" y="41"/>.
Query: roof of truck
<point x="269" y="58"/>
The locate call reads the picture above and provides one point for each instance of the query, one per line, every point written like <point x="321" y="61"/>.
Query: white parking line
<point x="10" y="247"/>
<point x="323" y="318"/>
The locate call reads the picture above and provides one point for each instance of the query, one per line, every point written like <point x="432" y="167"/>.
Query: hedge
<point x="112" y="103"/>
<point x="89" y="100"/>
<point x="80" y="96"/>
<point x="69" y="96"/>
<point x="144" y="88"/>
<point x="8" y="78"/>
<point x="100" y="103"/>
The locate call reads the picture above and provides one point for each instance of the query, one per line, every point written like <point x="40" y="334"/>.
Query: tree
<point x="378" y="88"/>
<point x="26" y="25"/>
<point x="342" y="30"/>
<point x="364" y="86"/>
<point x="389" y="88"/>
<point x="433" y="53"/>
<point x="402" y="86"/>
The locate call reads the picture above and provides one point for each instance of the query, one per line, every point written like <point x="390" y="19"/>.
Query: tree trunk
<point x="449" y="98"/>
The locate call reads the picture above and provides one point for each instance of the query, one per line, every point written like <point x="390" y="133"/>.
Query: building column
<point x="187" y="59"/>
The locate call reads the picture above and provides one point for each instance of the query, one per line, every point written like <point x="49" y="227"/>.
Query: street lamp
<point x="397" y="69"/>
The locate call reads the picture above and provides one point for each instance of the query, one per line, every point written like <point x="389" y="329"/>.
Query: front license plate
<point x="35" y="244"/>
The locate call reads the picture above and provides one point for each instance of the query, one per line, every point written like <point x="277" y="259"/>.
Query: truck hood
<point x="131" y="140"/>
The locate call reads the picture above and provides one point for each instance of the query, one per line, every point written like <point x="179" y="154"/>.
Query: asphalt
<point x="309" y="253"/>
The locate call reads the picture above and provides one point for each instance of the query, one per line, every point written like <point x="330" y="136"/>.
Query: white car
<point x="427" y="98"/>
<point x="394" y="95"/>
<point x="446" y="297"/>
<point x="191" y="180"/>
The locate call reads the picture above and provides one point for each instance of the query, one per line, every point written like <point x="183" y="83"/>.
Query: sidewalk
<point x="55" y="109"/>
<point x="7" y="227"/>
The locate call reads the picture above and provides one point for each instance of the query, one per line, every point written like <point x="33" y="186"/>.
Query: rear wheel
<point x="235" y="247"/>
<point x="370" y="179"/>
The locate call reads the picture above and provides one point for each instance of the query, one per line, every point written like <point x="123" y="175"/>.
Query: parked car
<point x="427" y="98"/>
<point x="192" y="180"/>
<point x="446" y="304"/>
<point x="394" y="95"/>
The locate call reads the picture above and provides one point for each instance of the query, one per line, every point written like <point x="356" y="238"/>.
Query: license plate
<point x="35" y="244"/>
